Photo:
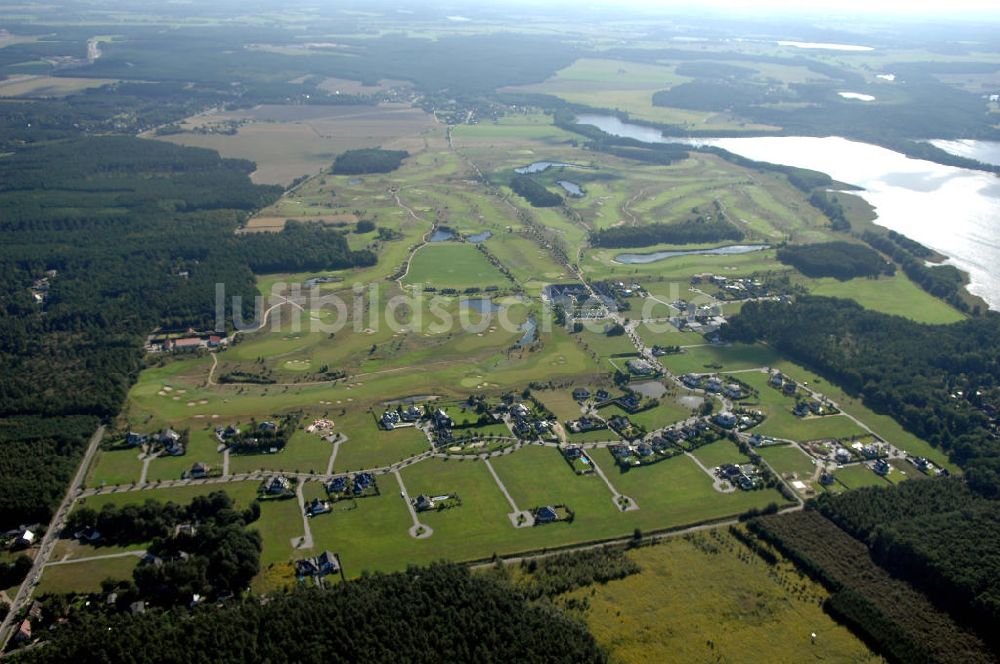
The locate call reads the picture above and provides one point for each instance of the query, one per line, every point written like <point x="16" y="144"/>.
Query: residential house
<point x="442" y="420"/>
<point x="630" y="402"/>
<point x="881" y="467"/>
<point x="411" y="413"/>
<point x="23" y="632"/>
<point x="725" y="419"/>
<point x="88" y="535"/>
<point x="199" y="470"/>
<point x="25" y="539"/>
<point x="733" y="391"/>
<point x="317" y="507"/>
<point x="189" y="344"/>
<point x="390" y="419"/>
<point x="277" y="484"/>
<point x="842" y="455"/>
<point x="545" y="515"/>
<point x="713" y="385"/>
<point x="645" y="450"/>
<point x="581" y="394"/>
<point x="133" y="439"/>
<point x="640" y="367"/>
<point x="602" y="395"/>
<point x="573" y="453"/>
<point x="328" y="563"/>
<point x="268" y="426"/>
<point x="337" y="484"/>
<point x="777" y="379"/>
<point x="423" y="503"/>
<point x="690" y="380"/>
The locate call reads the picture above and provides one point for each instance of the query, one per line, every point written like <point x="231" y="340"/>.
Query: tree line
<point x="439" y="613"/>
<point x="838" y="259"/>
<point x="688" y="231"/>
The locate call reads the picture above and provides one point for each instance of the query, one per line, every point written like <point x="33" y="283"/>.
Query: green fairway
<point x="453" y="265"/>
<point x="892" y="295"/>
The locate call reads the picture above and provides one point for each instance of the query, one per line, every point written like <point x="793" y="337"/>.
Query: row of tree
<point x="688" y="231"/>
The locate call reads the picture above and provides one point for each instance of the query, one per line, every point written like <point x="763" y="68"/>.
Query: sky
<point x="902" y="8"/>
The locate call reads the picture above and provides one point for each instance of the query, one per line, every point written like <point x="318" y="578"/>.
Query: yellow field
<point x="48" y="86"/>
<point x="290" y="141"/>
<point x="707" y="598"/>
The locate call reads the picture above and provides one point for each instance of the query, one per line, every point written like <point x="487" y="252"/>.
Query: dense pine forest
<point x="841" y="260"/>
<point x="689" y="231"/>
<point x="432" y="614"/>
<point x="912" y="566"/>
<point x="133" y="234"/>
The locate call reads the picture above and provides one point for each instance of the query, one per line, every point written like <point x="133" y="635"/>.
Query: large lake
<point x="955" y="211"/>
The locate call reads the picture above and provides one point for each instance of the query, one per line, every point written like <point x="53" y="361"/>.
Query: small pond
<point x="733" y="249"/>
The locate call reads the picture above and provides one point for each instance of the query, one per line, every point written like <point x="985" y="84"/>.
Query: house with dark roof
<point x="546" y="515"/>
<point x="423" y="503"/>
<point x="317" y="507"/>
<point x="133" y="439"/>
<point x="277" y="484"/>
<point x="442" y="420"/>
<point x="337" y="484"/>
<point x="199" y="470"/>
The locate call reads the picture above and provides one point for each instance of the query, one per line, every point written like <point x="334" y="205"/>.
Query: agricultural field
<point x="288" y="142"/>
<point x="48" y="86"/>
<point x="629" y="87"/>
<point x="712" y="585"/>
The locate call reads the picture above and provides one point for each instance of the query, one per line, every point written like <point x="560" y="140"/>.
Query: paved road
<point x="625" y="540"/>
<point x="306" y="541"/>
<point x="51" y="535"/>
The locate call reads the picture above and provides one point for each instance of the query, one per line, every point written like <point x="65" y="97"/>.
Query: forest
<point x="368" y="160"/>
<point x="688" y="231"/>
<point x="941" y="382"/>
<point x="898" y="621"/>
<point x="134" y="234"/>
<point x="838" y="259"/>
<point x="938" y="535"/>
<point x="216" y="556"/>
<point x="135" y="523"/>
<point x="439" y="613"/>
<point x="534" y="192"/>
